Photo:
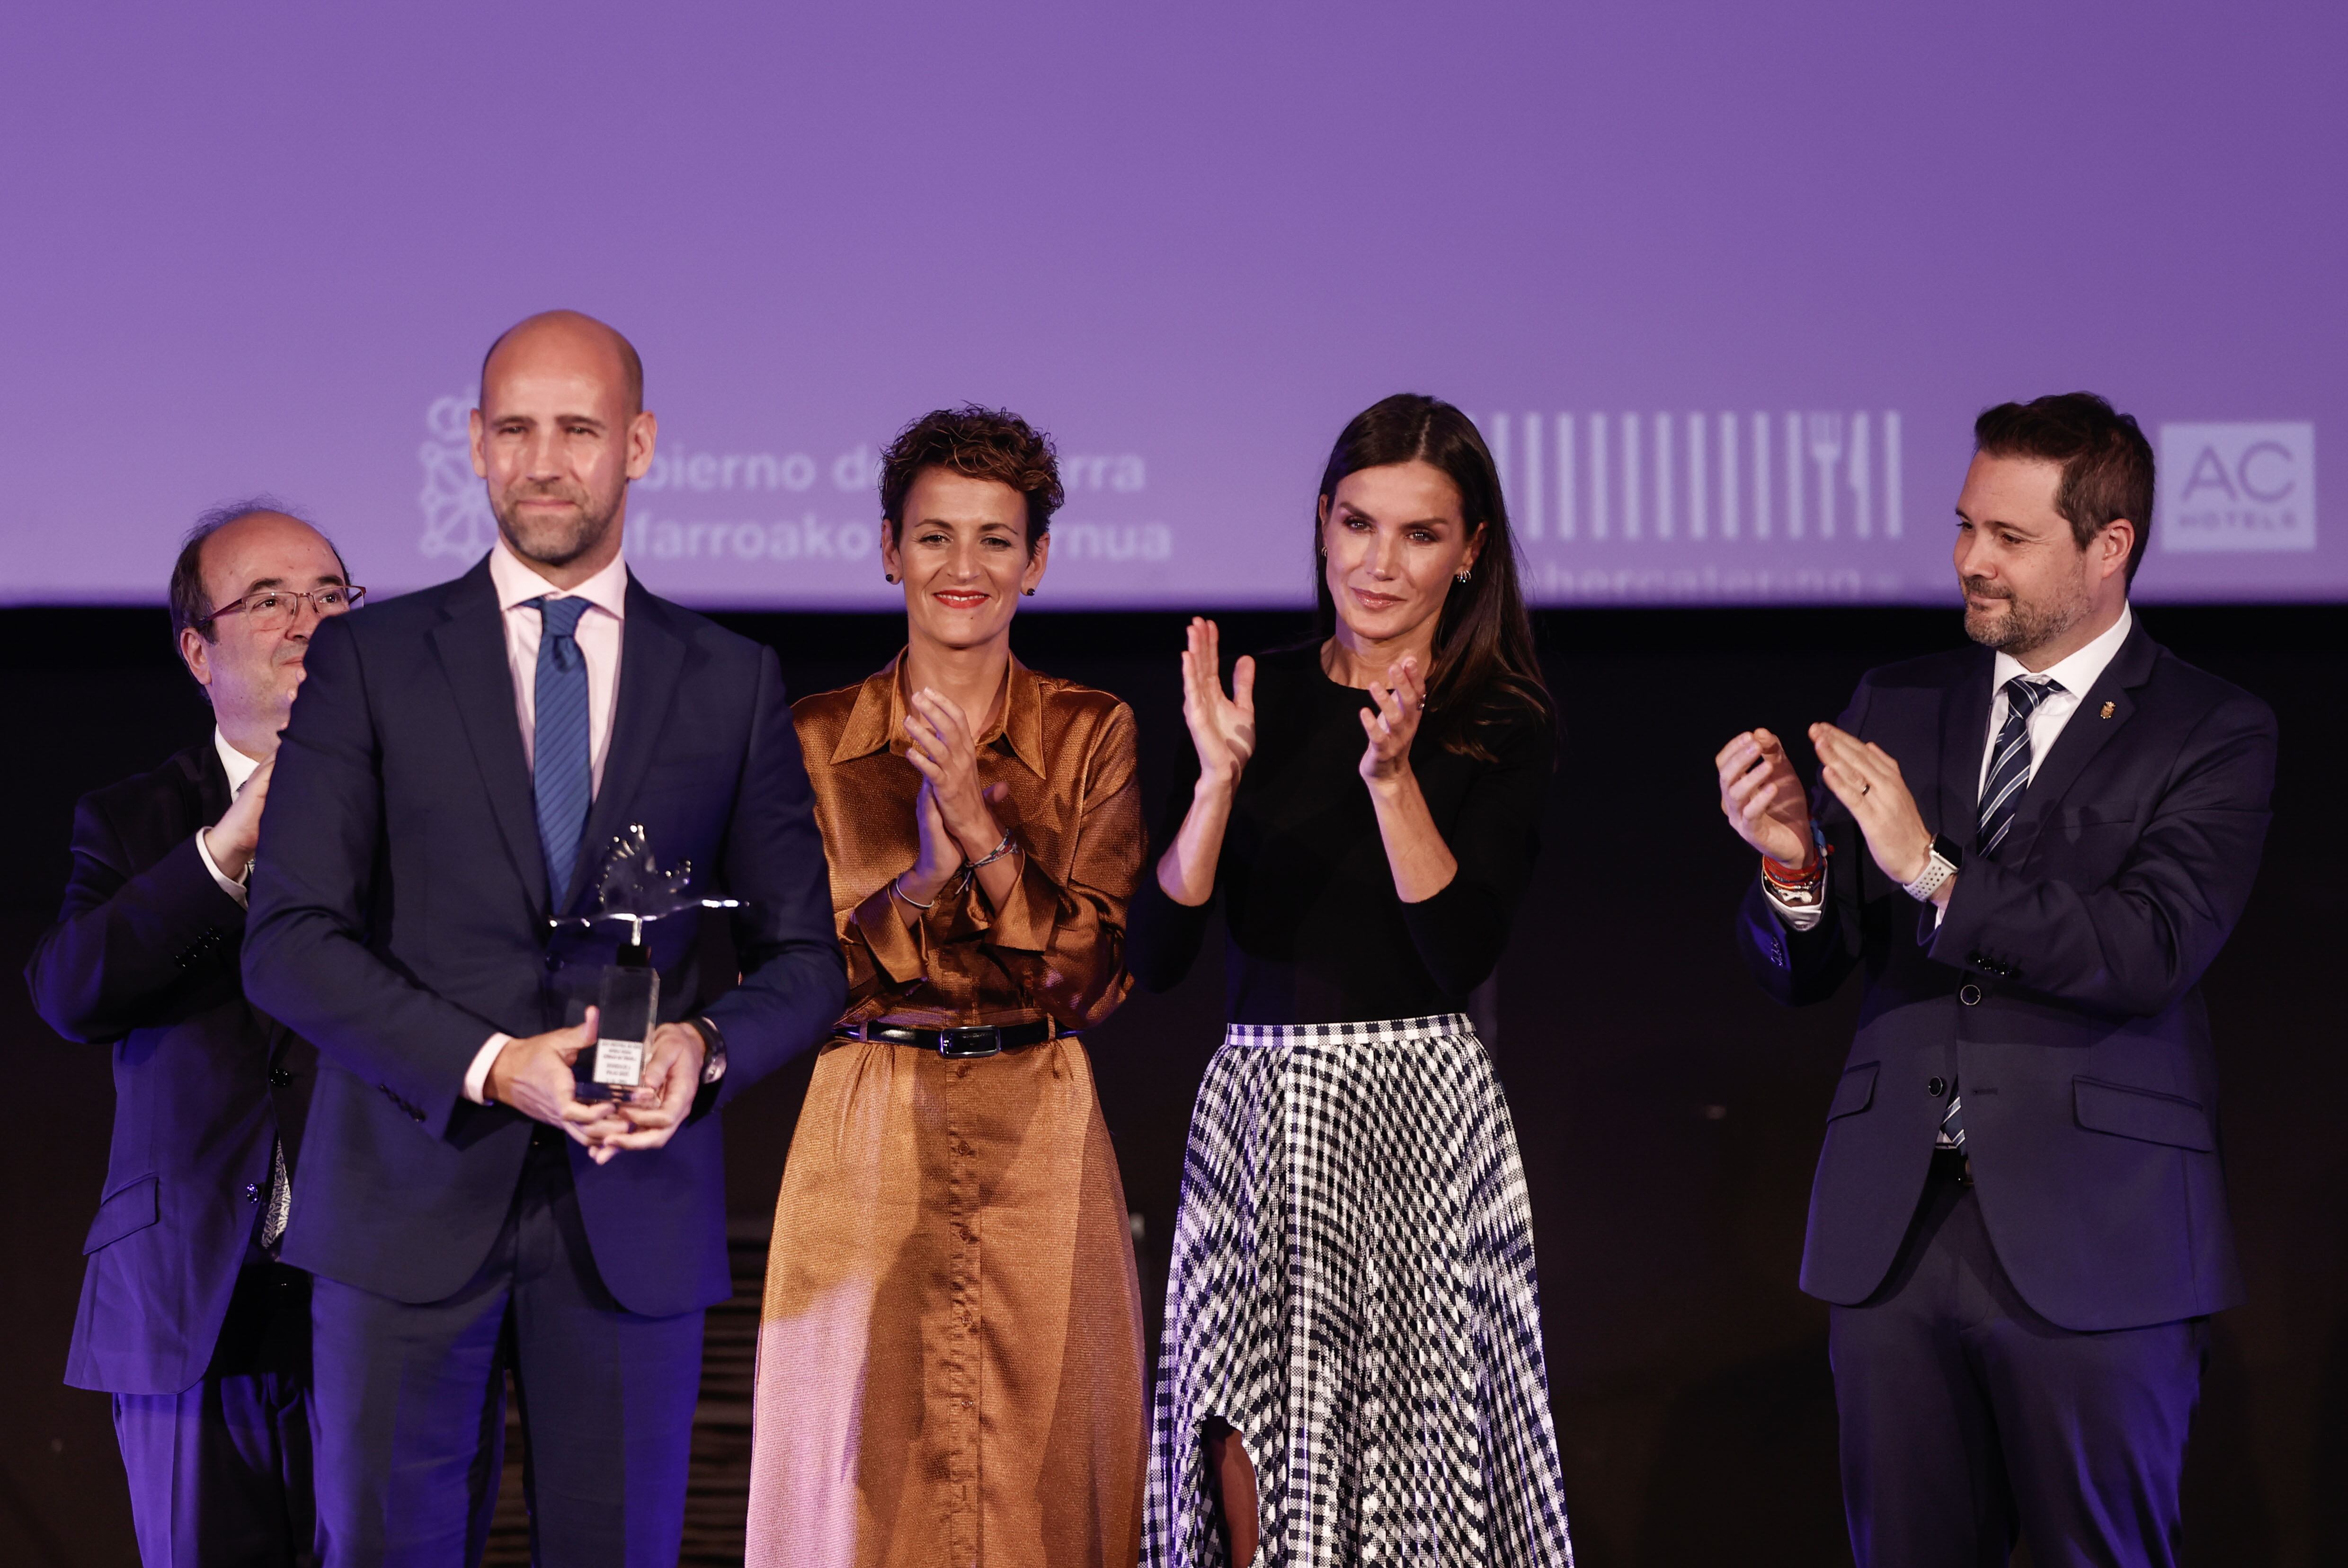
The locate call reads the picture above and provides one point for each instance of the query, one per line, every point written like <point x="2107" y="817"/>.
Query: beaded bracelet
<point x="1799" y="886"/>
<point x="992" y="855"/>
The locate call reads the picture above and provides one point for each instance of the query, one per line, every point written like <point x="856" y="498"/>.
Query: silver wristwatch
<point x="1941" y="863"/>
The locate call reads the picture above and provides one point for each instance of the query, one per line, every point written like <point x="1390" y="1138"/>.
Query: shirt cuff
<point x="1794" y="916"/>
<point x="901" y="955"/>
<point x="228" y="884"/>
<point x="1026" y="921"/>
<point x="477" y="1077"/>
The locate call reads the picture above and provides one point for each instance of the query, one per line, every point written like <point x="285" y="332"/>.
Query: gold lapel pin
<point x="2107" y="709"/>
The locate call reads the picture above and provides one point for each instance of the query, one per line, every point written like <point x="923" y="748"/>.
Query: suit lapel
<point x="198" y="793"/>
<point x="208" y="794"/>
<point x="1964" y="735"/>
<point x="2083" y="738"/>
<point x="651" y="656"/>
<point x="470" y="641"/>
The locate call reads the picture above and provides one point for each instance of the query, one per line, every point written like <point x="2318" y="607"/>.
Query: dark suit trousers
<point x="411" y="1403"/>
<point x="221" y="1473"/>
<point x="1966" y="1416"/>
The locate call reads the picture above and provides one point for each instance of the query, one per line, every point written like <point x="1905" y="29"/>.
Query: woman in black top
<point x="1352" y="1367"/>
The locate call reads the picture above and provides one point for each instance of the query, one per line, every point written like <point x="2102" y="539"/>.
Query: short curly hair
<point x="984" y="443"/>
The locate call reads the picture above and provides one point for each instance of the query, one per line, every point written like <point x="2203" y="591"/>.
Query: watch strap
<point x="1939" y="867"/>
<point x="713" y="1056"/>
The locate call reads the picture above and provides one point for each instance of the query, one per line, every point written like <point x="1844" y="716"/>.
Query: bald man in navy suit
<point x="2031" y="849"/>
<point x="458" y="763"/>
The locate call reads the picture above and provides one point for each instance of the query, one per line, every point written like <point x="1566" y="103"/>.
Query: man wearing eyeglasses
<point x="187" y="1316"/>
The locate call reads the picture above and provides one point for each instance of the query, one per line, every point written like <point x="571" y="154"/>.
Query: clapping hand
<point x="233" y="839"/>
<point x="1865" y="779"/>
<point x="945" y="751"/>
<point x="1761" y="796"/>
<point x="1402" y="701"/>
<point x="936" y="857"/>
<point x="1223" y="728"/>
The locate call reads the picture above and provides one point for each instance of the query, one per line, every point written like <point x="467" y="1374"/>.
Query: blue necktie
<point x="561" y="773"/>
<point x="2009" y="776"/>
<point x="2008" y="762"/>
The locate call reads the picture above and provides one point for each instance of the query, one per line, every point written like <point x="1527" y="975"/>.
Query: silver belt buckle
<point x="969" y="1041"/>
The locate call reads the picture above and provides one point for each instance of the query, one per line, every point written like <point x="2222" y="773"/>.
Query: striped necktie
<point x="561" y="773"/>
<point x="2008" y="762"/>
<point x="2009" y="775"/>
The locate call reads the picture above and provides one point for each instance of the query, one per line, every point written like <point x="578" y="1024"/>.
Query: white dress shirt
<point x="599" y="636"/>
<point x="2075" y="674"/>
<point x="239" y="767"/>
<point x="599" y="630"/>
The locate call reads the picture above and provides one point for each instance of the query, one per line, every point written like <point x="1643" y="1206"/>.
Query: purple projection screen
<point x="1725" y="286"/>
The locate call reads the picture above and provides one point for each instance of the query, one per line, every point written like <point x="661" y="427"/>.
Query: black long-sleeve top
<point x="1317" y="933"/>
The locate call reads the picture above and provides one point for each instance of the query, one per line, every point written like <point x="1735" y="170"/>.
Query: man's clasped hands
<point x="534" y="1075"/>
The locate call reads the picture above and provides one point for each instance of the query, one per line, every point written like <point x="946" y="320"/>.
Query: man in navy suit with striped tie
<point x="460" y="761"/>
<point x="2033" y="849"/>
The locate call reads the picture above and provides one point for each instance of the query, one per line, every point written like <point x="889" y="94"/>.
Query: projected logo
<point x="786" y="516"/>
<point x="457" y="519"/>
<point x="1671" y="507"/>
<point x="2237" y="487"/>
<point x="1800" y="475"/>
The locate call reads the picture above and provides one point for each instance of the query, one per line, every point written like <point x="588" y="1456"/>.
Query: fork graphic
<point x="1861" y="472"/>
<point x="1826" y="450"/>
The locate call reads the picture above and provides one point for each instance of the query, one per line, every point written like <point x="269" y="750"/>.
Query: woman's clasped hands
<point x="954" y="811"/>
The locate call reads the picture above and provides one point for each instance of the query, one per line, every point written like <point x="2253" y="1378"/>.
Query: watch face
<point x="1946" y="850"/>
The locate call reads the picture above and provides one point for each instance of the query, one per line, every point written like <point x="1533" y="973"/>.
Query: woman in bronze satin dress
<point x="950" y="1355"/>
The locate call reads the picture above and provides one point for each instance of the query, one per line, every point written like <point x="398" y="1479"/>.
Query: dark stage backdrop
<point x="1669" y="1115"/>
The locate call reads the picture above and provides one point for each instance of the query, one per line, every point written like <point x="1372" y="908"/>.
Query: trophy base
<point x="619" y="1094"/>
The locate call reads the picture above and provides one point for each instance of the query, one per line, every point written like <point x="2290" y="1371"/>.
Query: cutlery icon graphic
<point x="1860" y="473"/>
<point x="1826" y="450"/>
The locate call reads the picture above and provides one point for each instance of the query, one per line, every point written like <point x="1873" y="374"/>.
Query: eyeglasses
<point x="273" y="609"/>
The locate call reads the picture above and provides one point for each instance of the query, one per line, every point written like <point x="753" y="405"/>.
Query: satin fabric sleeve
<point x="1058" y="941"/>
<point x="1061" y="939"/>
<point x="1056" y="948"/>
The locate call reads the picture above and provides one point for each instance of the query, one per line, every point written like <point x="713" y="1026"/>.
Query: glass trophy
<point x="627" y="1010"/>
<point x="631" y="890"/>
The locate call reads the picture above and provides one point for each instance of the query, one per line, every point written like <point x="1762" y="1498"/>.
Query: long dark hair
<point x="1487" y="672"/>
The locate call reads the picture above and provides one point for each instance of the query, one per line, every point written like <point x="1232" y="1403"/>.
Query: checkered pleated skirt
<point x="1352" y="1289"/>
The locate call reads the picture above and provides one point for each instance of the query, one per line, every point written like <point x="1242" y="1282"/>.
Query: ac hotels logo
<point x="2237" y="487"/>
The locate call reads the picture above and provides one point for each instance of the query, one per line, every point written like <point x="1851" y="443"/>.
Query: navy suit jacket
<point x="144" y="957"/>
<point x="2061" y="992"/>
<point x="400" y="916"/>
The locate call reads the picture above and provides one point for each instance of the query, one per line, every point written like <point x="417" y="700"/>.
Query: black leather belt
<point x="962" y="1042"/>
